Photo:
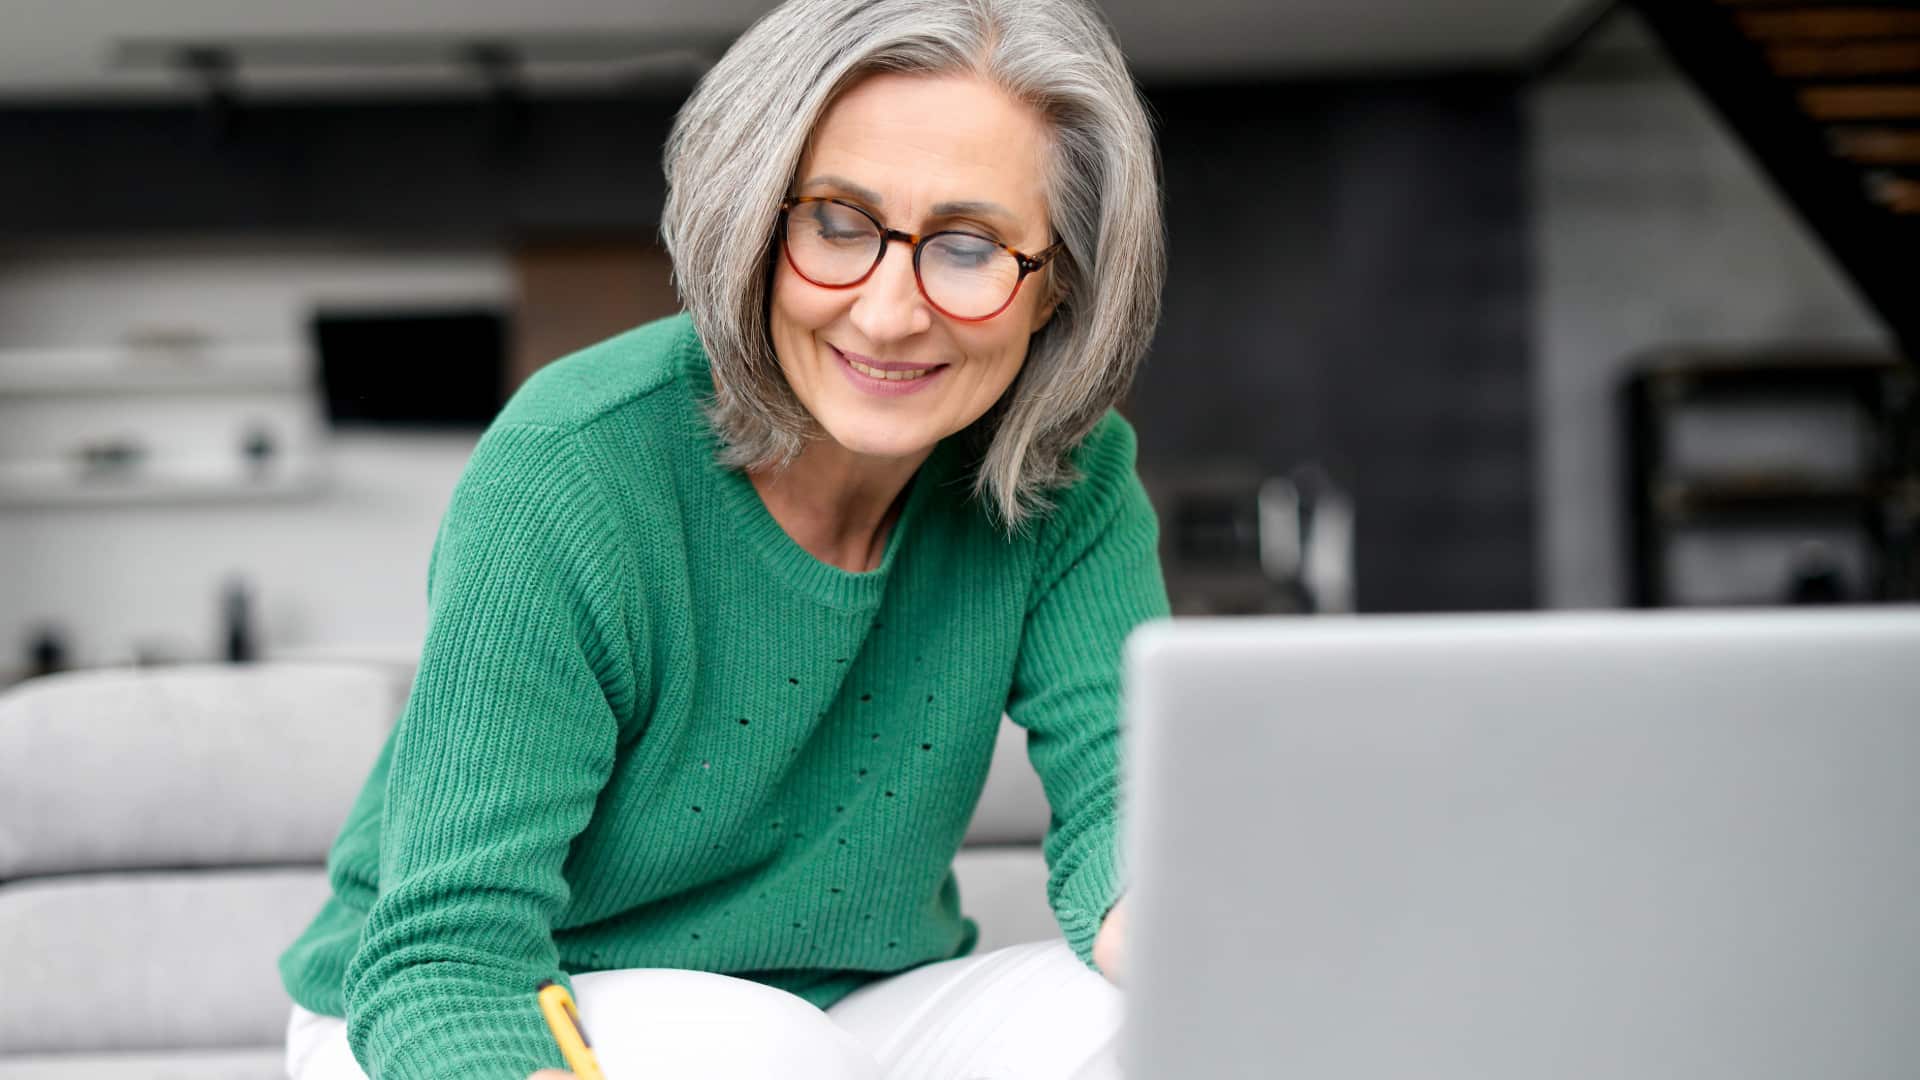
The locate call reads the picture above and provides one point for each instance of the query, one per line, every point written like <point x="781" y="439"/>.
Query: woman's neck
<point x="837" y="505"/>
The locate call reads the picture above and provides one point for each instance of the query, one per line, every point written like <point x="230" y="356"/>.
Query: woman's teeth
<point x="890" y="376"/>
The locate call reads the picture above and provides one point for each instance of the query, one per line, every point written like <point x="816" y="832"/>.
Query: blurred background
<point x="1475" y="305"/>
<point x="1486" y="305"/>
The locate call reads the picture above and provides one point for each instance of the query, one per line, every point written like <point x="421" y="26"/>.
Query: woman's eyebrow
<point x="961" y="208"/>
<point x="865" y="195"/>
<point x="972" y="208"/>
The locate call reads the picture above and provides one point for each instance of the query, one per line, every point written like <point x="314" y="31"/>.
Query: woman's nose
<point x="888" y="305"/>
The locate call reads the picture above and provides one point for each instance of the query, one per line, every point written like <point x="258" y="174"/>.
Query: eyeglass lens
<point x="966" y="276"/>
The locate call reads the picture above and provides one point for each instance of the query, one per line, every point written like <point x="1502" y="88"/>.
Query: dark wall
<point x="1348" y="284"/>
<point x="409" y="170"/>
<point x="1348" y="281"/>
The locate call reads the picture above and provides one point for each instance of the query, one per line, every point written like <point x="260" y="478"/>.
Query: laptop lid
<point x="1627" y="845"/>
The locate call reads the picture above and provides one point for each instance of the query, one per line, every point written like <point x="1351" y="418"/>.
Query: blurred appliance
<point x="1761" y="478"/>
<point x="426" y="368"/>
<point x="1236" y="542"/>
<point x="1630" y="844"/>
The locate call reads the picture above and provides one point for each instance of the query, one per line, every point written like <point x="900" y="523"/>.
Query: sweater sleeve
<point x="503" y="748"/>
<point x="1098" y="578"/>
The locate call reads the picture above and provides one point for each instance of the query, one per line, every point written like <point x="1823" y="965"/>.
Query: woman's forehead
<point x="931" y="145"/>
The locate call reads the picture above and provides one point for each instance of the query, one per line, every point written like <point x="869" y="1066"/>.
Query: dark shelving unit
<point x="1879" y="500"/>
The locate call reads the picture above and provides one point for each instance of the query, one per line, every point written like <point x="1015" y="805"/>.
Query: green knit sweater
<point x="650" y="730"/>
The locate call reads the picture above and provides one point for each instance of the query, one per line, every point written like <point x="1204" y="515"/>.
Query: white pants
<point x="1027" y="1012"/>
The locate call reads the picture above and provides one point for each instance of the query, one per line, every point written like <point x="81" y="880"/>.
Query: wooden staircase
<point x="1826" y="94"/>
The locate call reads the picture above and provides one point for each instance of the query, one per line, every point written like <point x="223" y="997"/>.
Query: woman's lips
<point x="886" y="378"/>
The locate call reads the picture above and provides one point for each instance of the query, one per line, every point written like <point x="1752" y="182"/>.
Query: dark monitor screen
<point x="441" y="368"/>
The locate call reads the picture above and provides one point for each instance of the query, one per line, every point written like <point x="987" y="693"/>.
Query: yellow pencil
<point x="557" y="1006"/>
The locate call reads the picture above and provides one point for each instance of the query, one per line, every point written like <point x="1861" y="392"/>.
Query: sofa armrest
<point x="186" y="766"/>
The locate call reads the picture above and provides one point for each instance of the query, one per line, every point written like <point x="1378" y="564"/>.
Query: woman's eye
<point x="965" y="251"/>
<point x="841" y="227"/>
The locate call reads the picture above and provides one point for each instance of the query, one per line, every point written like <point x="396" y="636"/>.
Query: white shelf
<point x="225" y="369"/>
<point x="185" y="413"/>
<point x="20" y="487"/>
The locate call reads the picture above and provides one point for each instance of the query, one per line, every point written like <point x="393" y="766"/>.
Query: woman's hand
<point x="1109" y="944"/>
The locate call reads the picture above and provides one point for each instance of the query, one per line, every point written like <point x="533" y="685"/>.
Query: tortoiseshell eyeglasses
<point x="837" y="245"/>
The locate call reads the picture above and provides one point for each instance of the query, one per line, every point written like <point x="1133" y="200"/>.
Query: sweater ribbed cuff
<point x="462" y="1037"/>
<point x="1093" y="884"/>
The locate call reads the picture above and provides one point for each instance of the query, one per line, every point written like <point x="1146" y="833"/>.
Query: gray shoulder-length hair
<point x="738" y="140"/>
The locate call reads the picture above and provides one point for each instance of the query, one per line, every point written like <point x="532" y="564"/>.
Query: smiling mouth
<point x="890" y="376"/>
<point x="882" y="371"/>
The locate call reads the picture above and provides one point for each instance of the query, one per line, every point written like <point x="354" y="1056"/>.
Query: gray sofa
<point x="163" y="834"/>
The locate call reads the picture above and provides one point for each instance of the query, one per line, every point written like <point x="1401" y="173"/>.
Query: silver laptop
<point x="1630" y="846"/>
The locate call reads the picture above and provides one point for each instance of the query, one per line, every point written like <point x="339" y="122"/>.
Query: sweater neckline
<point x="826" y="583"/>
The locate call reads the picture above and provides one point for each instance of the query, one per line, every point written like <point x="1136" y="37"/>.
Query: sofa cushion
<point x="208" y="765"/>
<point x="252" y="1063"/>
<point x="186" y="766"/>
<point x="1004" y="889"/>
<point x="1013" y="805"/>
<point x="182" y="960"/>
<point x="149" y="961"/>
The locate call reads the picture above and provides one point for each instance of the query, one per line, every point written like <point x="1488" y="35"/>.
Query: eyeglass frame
<point x="1027" y="263"/>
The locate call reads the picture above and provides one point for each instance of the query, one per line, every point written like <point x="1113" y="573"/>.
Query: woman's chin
<point x="880" y="441"/>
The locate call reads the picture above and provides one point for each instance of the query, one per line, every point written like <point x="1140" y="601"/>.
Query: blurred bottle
<point x="258" y="449"/>
<point x="1815" y="577"/>
<point x="1306" y="540"/>
<point x="237" y="618"/>
<point x="47" y="653"/>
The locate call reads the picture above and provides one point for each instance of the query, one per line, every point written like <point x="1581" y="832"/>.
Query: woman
<point x="725" y="611"/>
